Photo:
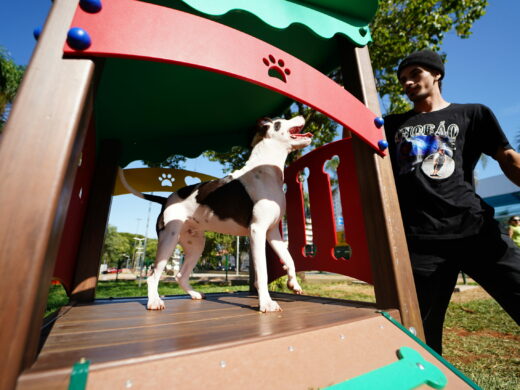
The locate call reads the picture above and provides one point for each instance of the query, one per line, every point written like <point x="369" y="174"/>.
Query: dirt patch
<point x="483" y="333"/>
<point x="349" y="287"/>
<point x="471" y="359"/>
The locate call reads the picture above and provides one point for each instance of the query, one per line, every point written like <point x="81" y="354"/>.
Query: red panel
<point x="134" y="29"/>
<point x="71" y="236"/>
<point x="322" y="214"/>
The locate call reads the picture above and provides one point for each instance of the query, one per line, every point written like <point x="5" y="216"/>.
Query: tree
<point x="404" y="26"/>
<point x="151" y="248"/>
<point x="216" y="245"/>
<point x="10" y="78"/>
<point x="116" y="246"/>
<point x="176" y="162"/>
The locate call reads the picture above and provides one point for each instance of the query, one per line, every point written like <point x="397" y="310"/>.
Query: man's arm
<point x="509" y="161"/>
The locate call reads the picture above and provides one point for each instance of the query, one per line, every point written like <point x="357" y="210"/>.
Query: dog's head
<point x="286" y="131"/>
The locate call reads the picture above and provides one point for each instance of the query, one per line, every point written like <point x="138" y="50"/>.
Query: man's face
<point x="419" y="82"/>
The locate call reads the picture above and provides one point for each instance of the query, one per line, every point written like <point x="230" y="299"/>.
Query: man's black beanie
<point x="428" y="58"/>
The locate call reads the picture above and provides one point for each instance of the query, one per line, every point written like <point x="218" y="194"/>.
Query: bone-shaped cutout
<point x="409" y="372"/>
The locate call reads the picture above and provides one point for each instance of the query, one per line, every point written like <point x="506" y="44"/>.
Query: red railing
<point x="325" y="239"/>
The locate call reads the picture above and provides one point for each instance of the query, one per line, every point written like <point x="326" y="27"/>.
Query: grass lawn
<point x="480" y="339"/>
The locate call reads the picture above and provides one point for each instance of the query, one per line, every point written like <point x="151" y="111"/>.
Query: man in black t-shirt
<point x="434" y="149"/>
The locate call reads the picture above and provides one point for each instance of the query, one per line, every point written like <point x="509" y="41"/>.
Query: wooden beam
<point x="38" y="159"/>
<point x="98" y="210"/>
<point x="390" y="261"/>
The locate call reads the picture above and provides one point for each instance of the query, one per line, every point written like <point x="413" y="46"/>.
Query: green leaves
<point x="218" y="244"/>
<point x="116" y="246"/>
<point x="119" y="246"/>
<point x="10" y="78"/>
<point x="176" y="162"/>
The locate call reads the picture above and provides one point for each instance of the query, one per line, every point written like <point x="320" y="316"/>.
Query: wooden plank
<point x="392" y="274"/>
<point x="96" y="220"/>
<point x="100" y="333"/>
<point x="313" y="357"/>
<point x="38" y="158"/>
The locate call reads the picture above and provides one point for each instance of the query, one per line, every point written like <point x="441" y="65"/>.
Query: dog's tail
<point x="152" y="198"/>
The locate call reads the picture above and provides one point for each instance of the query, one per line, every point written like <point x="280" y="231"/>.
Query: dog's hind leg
<point x="168" y="239"/>
<point x="258" y="236"/>
<point x="275" y="240"/>
<point x="192" y="242"/>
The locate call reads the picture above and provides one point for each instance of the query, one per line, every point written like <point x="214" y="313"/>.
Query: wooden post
<point x="38" y="159"/>
<point x="98" y="210"/>
<point x="393" y="280"/>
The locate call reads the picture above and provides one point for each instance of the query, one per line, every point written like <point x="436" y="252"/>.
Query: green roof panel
<point x="325" y="18"/>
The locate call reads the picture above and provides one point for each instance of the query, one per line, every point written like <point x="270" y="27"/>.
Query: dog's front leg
<point x="168" y="239"/>
<point x="275" y="240"/>
<point x="258" y="236"/>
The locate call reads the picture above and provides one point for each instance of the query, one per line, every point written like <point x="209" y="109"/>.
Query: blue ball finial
<point x="78" y="39"/>
<point x="37" y="32"/>
<point x="383" y="145"/>
<point x="91" y="6"/>
<point x="379" y="122"/>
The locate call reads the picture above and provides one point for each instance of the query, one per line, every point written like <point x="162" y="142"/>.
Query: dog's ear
<point x="262" y="125"/>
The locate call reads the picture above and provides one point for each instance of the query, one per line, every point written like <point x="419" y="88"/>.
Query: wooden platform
<point x="220" y="342"/>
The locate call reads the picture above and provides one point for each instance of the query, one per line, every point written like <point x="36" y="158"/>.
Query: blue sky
<point x="481" y="69"/>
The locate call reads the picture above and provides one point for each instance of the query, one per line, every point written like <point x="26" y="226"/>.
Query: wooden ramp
<point x="220" y="342"/>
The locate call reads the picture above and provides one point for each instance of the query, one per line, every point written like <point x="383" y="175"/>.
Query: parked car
<point x="114" y="271"/>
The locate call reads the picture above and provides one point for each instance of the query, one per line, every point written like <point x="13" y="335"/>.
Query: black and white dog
<point x="249" y="201"/>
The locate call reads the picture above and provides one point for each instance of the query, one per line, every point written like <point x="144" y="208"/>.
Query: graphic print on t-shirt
<point x="429" y="145"/>
<point x="439" y="165"/>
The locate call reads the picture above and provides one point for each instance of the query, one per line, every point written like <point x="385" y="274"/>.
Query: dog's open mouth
<point x="295" y="132"/>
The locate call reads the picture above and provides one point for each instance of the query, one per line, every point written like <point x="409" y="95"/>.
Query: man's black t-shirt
<point x="433" y="157"/>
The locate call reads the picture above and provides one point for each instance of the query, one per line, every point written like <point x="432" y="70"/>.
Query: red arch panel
<point x="134" y="29"/>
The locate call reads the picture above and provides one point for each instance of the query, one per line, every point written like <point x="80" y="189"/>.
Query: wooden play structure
<point x="114" y="81"/>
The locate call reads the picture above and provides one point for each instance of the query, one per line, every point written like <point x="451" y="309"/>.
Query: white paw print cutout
<point x="166" y="180"/>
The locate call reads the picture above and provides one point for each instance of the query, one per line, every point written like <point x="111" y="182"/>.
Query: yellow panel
<point x="158" y="179"/>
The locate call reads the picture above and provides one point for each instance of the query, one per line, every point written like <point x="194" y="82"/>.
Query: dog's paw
<point x="270" y="306"/>
<point x="196" y="295"/>
<point x="294" y="286"/>
<point x="155" y="304"/>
